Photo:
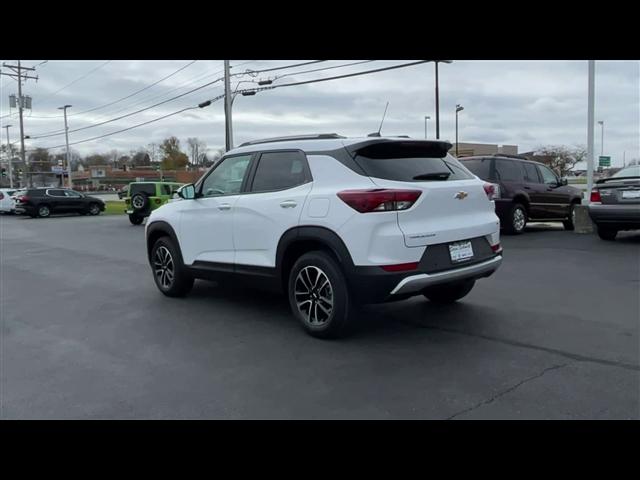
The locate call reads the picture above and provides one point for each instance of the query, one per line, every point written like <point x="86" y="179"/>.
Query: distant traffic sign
<point x="57" y="169"/>
<point x="604" y="161"/>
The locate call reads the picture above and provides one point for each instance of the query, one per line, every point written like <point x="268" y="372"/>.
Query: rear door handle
<point x="527" y="188"/>
<point x="224" y="206"/>
<point x="289" y="204"/>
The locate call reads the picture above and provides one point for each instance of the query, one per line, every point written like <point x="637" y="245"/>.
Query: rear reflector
<point x="595" y="196"/>
<point x="379" y="200"/>
<point x="158" y="201"/>
<point x="400" y="267"/>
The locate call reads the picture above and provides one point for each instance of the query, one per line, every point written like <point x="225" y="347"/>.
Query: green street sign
<point x="604" y="161"/>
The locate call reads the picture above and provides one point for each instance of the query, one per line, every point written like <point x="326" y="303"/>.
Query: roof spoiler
<point x="388" y="148"/>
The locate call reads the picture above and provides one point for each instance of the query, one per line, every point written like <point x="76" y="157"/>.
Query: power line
<point x="76" y="80"/>
<point x="249" y="72"/>
<point x="271" y="87"/>
<point x="322" y="69"/>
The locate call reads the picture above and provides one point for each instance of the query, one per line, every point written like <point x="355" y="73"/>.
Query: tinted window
<point x="166" y="189"/>
<point x="508" y="171"/>
<point x="531" y="173"/>
<point x="72" y="194"/>
<point x="413" y="169"/>
<point x="632" y="171"/>
<point x="279" y="170"/>
<point x="36" y="192"/>
<point x="480" y="167"/>
<point x="227" y="177"/>
<point x="146" y="188"/>
<point x="547" y="175"/>
<point x="55" y="192"/>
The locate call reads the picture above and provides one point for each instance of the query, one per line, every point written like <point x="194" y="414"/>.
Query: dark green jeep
<point x="143" y="197"/>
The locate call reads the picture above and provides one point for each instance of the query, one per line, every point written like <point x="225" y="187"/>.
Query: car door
<point x="74" y="202"/>
<point x="57" y="200"/>
<point x="206" y="222"/>
<point x="535" y="189"/>
<point x="556" y="200"/>
<point x="279" y="185"/>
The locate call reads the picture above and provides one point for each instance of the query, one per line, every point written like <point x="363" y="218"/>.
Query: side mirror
<point x="564" y="181"/>
<point x="188" y="192"/>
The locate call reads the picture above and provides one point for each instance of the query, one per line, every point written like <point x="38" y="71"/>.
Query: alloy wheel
<point x="518" y="219"/>
<point x="164" y="267"/>
<point x="314" y="295"/>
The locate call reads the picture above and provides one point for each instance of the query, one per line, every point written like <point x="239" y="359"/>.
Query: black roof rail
<point x="508" y="155"/>
<point x="313" y="136"/>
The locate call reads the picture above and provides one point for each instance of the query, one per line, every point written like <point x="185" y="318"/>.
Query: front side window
<point x="56" y="193"/>
<point x="279" y="171"/>
<point x="547" y="175"/>
<point x="227" y="178"/>
<point x="508" y="171"/>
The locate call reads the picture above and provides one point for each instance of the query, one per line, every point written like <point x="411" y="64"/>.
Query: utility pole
<point x="227" y="108"/>
<point x="18" y="75"/>
<point x="590" y="128"/>
<point x="10" y="153"/>
<point x="437" y="105"/>
<point x="66" y="134"/>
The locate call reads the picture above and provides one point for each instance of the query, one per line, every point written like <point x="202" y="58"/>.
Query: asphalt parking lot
<point x="554" y="334"/>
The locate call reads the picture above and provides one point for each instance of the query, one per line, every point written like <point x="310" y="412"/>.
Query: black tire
<point x="334" y="296"/>
<point x="169" y="273"/>
<point x="516" y="220"/>
<point x="448" y="292"/>
<point x="569" y="223"/>
<point x="136" y="219"/>
<point x="140" y="202"/>
<point x="43" y="211"/>
<point x="608" y="234"/>
<point x="94" y="209"/>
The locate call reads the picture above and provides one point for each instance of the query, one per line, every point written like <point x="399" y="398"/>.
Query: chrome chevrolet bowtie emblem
<point x="461" y="195"/>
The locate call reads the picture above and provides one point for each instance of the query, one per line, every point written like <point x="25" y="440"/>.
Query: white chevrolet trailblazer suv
<point x="332" y="221"/>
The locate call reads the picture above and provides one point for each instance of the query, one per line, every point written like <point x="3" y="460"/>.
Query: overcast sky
<point x="526" y="103"/>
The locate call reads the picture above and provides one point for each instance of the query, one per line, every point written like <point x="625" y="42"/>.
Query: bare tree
<point x="561" y="158"/>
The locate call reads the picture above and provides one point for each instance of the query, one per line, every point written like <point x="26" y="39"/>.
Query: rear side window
<point x="509" y="171"/>
<point x="146" y="188"/>
<point x="55" y="192"/>
<point x="531" y="173"/>
<point x="481" y="167"/>
<point x="279" y="171"/>
<point x="165" y="189"/>
<point x="36" y="192"/>
<point x="414" y="168"/>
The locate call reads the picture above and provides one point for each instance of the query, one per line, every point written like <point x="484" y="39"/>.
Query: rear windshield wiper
<point x="433" y="176"/>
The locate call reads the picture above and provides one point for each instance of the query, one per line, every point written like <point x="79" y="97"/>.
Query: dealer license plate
<point x="460" y="251"/>
<point x="631" y="194"/>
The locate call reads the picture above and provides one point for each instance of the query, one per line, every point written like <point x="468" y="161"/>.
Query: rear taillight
<point x="492" y="190"/>
<point x="497" y="248"/>
<point x="595" y="196"/>
<point x="379" y="200"/>
<point x="22" y="198"/>
<point x="1" y="195"/>
<point x="158" y="201"/>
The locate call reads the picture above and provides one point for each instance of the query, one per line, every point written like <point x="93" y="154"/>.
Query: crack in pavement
<point x="515" y="343"/>
<point x="508" y="390"/>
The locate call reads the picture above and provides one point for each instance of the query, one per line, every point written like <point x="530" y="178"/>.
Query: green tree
<point x="173" y="158"/>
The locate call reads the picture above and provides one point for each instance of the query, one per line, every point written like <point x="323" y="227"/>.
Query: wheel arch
<point x="158" y="229"/>
<point x="523" y="199"/>
<point x="298" y="240"/>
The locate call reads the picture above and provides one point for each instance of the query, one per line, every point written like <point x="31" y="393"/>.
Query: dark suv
<point x="42" y="202"/>
<point x="525" y="191"/>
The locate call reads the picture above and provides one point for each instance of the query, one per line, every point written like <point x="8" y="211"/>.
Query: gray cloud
<point x="528" y="103"/>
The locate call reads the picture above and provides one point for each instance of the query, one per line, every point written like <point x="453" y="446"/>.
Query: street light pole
<point x="459" y="108"/>
<point x="10" y="153"/>
<point x="427" y="117"/>
<point x="66" y="134"/>
<point x="601" y="123"/>
<point x="590" y="125"/>
<point x="438" y="98"/>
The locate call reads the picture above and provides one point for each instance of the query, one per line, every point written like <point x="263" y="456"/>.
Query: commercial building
<point x="472" y="149"/>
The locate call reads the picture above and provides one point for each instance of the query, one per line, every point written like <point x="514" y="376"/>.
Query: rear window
<point x="481" y="167"/>
<point x="36" y="192"/>
<point x="146" y="188"/>
<point x="632" y="171"/>
<point x="414" y="169"/>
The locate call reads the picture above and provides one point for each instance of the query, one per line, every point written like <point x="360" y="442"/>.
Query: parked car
<point x="615" y="203"/>
<point x="7" y="204"/>
<point x="144" y="197"/>
<point x="333" y="222"/>
<point x="42" y="202"/>
<point x="124" y="192"/>
<point x="525" y="191"/>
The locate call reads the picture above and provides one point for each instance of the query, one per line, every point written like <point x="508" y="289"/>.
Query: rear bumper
<point x="416" y="283"/>
<point x="372" y="284"/>
<point x="622" y="216"/>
